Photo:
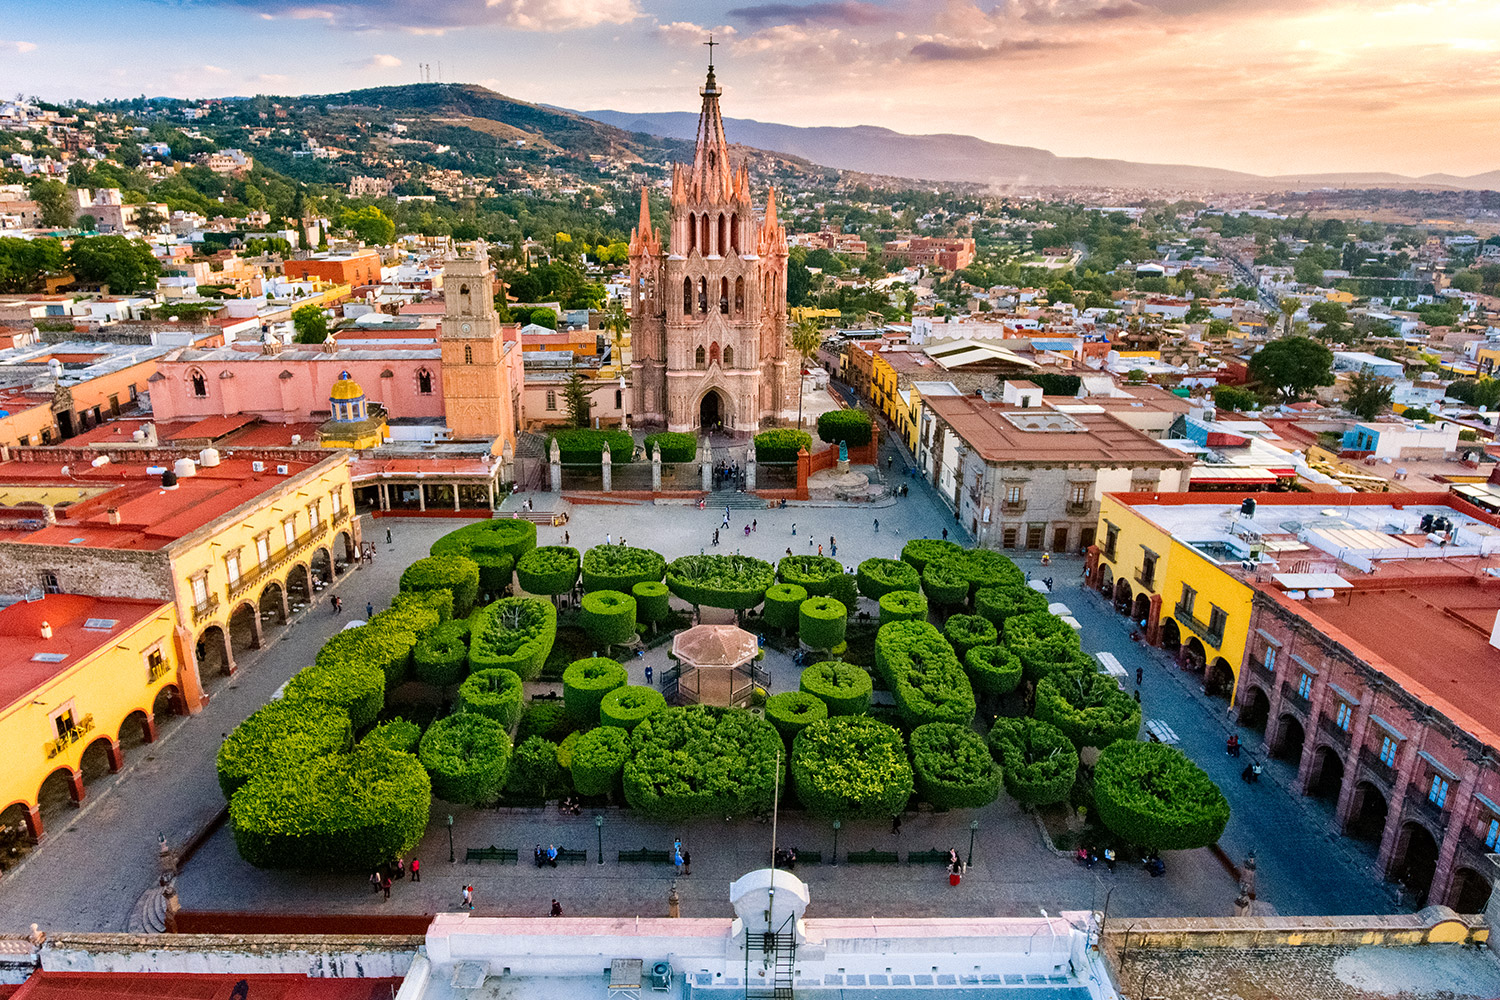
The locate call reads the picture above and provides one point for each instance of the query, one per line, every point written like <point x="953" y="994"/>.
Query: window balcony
<point x="1078" y="508"/>
<point x="1418" y="803"/>
<point x="1330" y="728"/>
<point x="75" y="734"/>
<point x="202" y="612"/>
<point x="1297" y="701"/>
<point x="1012" y="506"/>
<point x="1200" y="629"/>
<point x="1375" y="767"/>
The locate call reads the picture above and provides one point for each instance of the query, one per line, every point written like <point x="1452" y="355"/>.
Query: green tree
<point x="1217" y="329"/>
<point x="1288" y="307"/>
<point x="1292" y="366"/>
<point x="1232" y="397"/>
<point x="127" y="266"/>
<point x="52" y="198"/>
<point x="25" y="264"/>
<point x="148" y="219"/>
<point x="576" y="395"/>
<point x="1368" y="393"/>
<point x="807" y="337"/>
<point x="1467" y="281"/>
<point x="311" y="324"/>
<point x="370" y="224"/>
<point x="617" y="322"/>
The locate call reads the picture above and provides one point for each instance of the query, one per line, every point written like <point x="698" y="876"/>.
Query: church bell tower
<point x="480" y="402"/>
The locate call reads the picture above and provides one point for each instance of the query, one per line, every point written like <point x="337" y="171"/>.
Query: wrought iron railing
<point x="75" y="734"/>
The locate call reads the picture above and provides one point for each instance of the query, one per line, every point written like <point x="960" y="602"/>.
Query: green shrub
<point x="498" y="536"/>
<point x="1042" y="641"/>
<point x="851" y="767"/>
<point x="565" y="750"/>
<point x="442" y="656"/>
<point x="1152" y="795"/>
<point x="282" y="733"/>
<point x="534" y="770"/>
<point x="993" y="670"/>
<point x="621" y="567"/>
<point x="902" y="606"/>
<point x="675" y="446"/>
<point x="626" y="707"/>
<point x="1000" y="603"/>
<point x="781" y="444"/>
<point x="821" y="622"/>
<point x="986" y="568"/>
<point x="547" y="719"/>
<point x="343" y="812"/>
<point x="416" y="611"/>
<point x="844" y="589"/>
<point x="598" y="759"/>
<point x="814" y="574"/>
<point x="924" y="676"/>
<point x="450" y="571"/>
<point x="1038" y="762"/>
<point x="968" y="631"/>
<point x="467" y="756"/>
<point x="852" y="427"/>
<point x="921" y="552"/>
<point x="792" y="711"/>
<point x="952" y="766"/>
<point x="702" y="761"/>
<point x="496" y="693"/>
<point x="878" y="577"/>
<point x="586" y="682"/>
<point x="585" y="446"/>
<point x="608" y="617"/>
<point x="845" y="688"/>
<point x="1090" y="709"/>
<point x="377" y="645"/>
<point x="652" y="602"/>
<point x="397" y="734"/>
<point x="549" y="570"/>
<point x="737" y="583"/>
<point x="496" y="571"/>
<point x="783" y="600"/>
<point x="357" y="688"/>
<point x="945" y="585"/>
<point x="516" y="633"/>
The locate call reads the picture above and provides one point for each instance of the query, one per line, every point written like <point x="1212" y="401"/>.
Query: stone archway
<point x="1289" y="739"/>
<point x="1192" y="655"/>
<point x="99" y="758"/>
<point x="1106" y="581"/>
<point x="1171" y="635"/>
<point x="298" y="588"/>
<point x="136" y="730"/>
<point x="344" y="554"/>
<point x="321" y="568"/>
<point x="1367" y="816"/>
<point x="244" y="628"/>
<point x="59" y="794"/>
<point x="1328" y="774"/>
<point x="273" y="607"/>
<point x="1415" y="861"/>
<point x="215" y="656"/>
<point x="1469" y="891"/>
<point x="1122" y="597"/>
<point x="17" y="826"/>
<point x="713" y="411"/>
<point x="1256" y="709"/>
<point x="1218" y="678"/>
<point x="1140" y="611"/>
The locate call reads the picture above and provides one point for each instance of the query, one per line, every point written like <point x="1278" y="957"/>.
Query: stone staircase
<point x="719" y="499"/>
<point x="149" y="915"/>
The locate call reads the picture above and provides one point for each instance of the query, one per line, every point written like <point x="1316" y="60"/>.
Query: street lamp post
<point x="451" y="858"/>
<point x="599" y="829"/>
<point x="836" y="826"/>
<point x="973" y="829"/>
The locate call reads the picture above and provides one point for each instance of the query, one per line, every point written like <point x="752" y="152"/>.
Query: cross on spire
<point x="711" y="43"/>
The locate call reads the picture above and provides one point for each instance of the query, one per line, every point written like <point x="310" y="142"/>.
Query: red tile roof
<point x="21" y="636"/>
<point x="211" y="428"/>
<point x="1102" y="439"/>
<point x="178" y="986"/>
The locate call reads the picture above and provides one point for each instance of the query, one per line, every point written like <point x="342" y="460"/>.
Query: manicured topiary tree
<point x="449" y="571"/>
<point x="952" y="766"/>
<point x="986" y="568"/>
<point x="357" y="688"/>
<point x="845" y="688"/>
<point x="792" y="711"/>
<point x="1038" y="762"/>
<point x="1000" y="603"/>
<point x="853" y="427"/>
<point x="516" y="633"/>
<point x="496" y="693"/>
<point x="342" y="812"/>
<point x="626" y="707"/>
<point x="944" y="585"/>
<point x="822" y="622"/>
<point x="783" y="600"/>
<point x="966" y="632"/>
<point x="1089" y="708"/>
<point x="282" y="733"/>
<point x="608" y="617"/>
<point x="397" y="734"/>
<point x="379" y="644"/>
<point x="534" y="770"/>
<point x="548" y="571"/>
<point x="497" y="536"/>
<point x="851" y="767"/>
<point x="902" y="606"/>
<point x="621" y="567"/>
<point x="442" y="656"/>
<point x="586" y="682"/>
<point x="737" y="583"/>
<point x="1042" y="641"/>
<point x="652" y="603"/>
<point x="468" y="757"/>
<point x="702" y="761"/>
<point x="925" y="677"/>
<point x="814" y="574"/>
<point x="878" y="577"/>
<point x="675" y="446"/>
<point x="993" y="670"/>
<point x="921" y="552"/>
<point x="598" y="758"/>
<point x="781" y="444"/>
<point x="1153" y="796"/>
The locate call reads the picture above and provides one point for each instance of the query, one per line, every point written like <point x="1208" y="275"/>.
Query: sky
<point x="1268" y="86"/>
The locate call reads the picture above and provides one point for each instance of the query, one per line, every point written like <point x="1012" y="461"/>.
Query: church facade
<point x="708" y="309"/>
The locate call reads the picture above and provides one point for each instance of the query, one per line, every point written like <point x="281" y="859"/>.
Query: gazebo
<point x="715" y="664"/>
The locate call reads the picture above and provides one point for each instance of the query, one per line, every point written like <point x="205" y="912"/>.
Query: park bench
<point x="568" y="857"/>
<point x="805" y="858"/>
<point x="504" y="855"/>
<point x="873" y="858"/>
<point x="932" y="857"/>
<point x="645" y="857"/>
<point x="546" y="696"/>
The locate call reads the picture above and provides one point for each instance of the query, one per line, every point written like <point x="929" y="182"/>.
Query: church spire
<point x="644" y="225"/>
<point x="711" y="172"/>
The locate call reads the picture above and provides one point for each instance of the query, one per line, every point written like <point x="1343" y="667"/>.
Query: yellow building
<point x="81" y="680"/>
<point x="824" y="317"/>
<point x="1342" y="298"/>
<point x="354" y="423"/>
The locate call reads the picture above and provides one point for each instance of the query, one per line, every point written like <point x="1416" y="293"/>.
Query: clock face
<point x="466" y="328"/>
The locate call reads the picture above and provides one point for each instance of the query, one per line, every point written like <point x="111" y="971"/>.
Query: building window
<point x="263" y="550"/>
<point x="1344" y="718"/>
<point x="1012" y="494"/>
<point x="700" y="357"/>
<point x="619" y="399"/>
<point x="289" y="532"/>
<point x="336" y="500"/>
<point x="46" y="435"/>
<point x="424" y="381"/>
<point x="1388" y="751"/>
<point x="1305" y="686"/>
<point x="200" y="384"/>
<point x="1148" y="569"/>
<point x="703" y="284"/>
<point x="156" y="665"/>
<point x="1185" y="604"/>
<point x="1437" y="794"/>
<point x="1271" y="659"/>
<point x="1079" y="493"/>
<point x="1218" y="621"/>
<point x="49" y="582"/>
<point x="200" y="591"/>
<point x="1492" y="834"/>
<point x="687" y="296"/>
<point x="468" y="354"/>
<point x="551" y="401"/>
<point x="739" y="296"/>
<point x="232" y="568"/>
<point x="728" y="357"/>
<point x="1111" y="538"/>
<point x="312" y="517"/>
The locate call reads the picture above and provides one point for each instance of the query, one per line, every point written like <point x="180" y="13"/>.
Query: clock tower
<point x="478" y="397"/>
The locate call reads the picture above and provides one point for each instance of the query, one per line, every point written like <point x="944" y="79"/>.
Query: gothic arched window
<point x="703" y="293"/>
<point x="713" y="353"/>
<point x="739" y="296"/>
<point x="424" y="381"/>
<point x="687" y="296"/>
<point x="734" y="232"/>
<point x="468" y="354"/>
<point x="200" y="384"/>
<point x="723" y="233"/>
<point x="699" y="357"/>
<point x="724" y="296"/>
<point x="463" y="289"/>
<point x="692" y="232"/>
<point x="728" y="357"/>
<point x="703" y="235"/>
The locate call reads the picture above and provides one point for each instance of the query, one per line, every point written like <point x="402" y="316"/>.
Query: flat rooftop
<point x="180" y="986"/>
<point x="1003" y="433"/>
<point x="80" y="625"/>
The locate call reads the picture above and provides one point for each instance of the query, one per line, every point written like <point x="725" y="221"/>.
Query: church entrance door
<point x="710" y="411"/>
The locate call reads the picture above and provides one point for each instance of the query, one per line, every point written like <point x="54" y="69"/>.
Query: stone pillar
<point x="75" y="787"/>
<point x="706" y="464"/>
<point x="193" y="698"/>
<point x="229" y="665"/>
<point x="492" y="494"/>
<point x="257" y="637"/>
<point x="750" y="468"/>
<point x="148" y="729"/>
<point x="606" y="467"/>
<point x="1310" y="739"/>
<point x="1091" y="567"/>
<point x="555" y="461"/>
<point x="421" y="496"/>
<point x="507" y="465"/>
<point x="803" y="472"/>
<point x="286" y="606"/>
<point x="385" y="496"/>
<point x="33" y="818"/>
<point x="455" y="498"/>
<point x="1389" y="837"/>
<point x="656" y="471"/>
<point x="115" y="756"/>
<point x="1153" y="620"/>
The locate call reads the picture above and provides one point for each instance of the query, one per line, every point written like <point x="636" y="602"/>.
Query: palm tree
<point x="807" y="337"/>
<point x="616" y="320"/>
<point x="1289" y="307"/>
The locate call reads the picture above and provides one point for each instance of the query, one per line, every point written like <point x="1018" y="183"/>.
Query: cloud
<point x="849" y="12"/>
<point x="213" y="70"/>
<point x="380" y="61"/>
<point x="435" y="16"/>
<point x="267" y="78"/>
<point x="946" y="51"/>
<point x="688" y="33"/>
<point x="19" y="47"/>
<point x="1075" y="11"/>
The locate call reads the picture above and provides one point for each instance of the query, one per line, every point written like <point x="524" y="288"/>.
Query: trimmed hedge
<point x="279" y="734"/>
<point x="598" y="759"/>
<point x="1038" y="762"/>
<point x="452" y="572"/>
<point x="822" y="622"/>
<point x="585" y="446"/>
<point x="534" y="770"/>
<point x="344" y="812"/>
<point x="878" y="577"/>
<point x="1153" y="796"/>
<point x="851" y="767"/>
<point x="1042" y="641"/>
<point x="1089" y="708"/>
<point x="675" y="446"/>
<point x="737" y="583"/>
<point x="467" y="756"/>
<point x="814" y="574"/>
<point x="921" y="552"/>
<point x="1001" y="603"/>
<point x="902" y="606"/>
<point x="945" y="585"/>
<point x="549" y="570"/>
<point x="783" y="602"/>
<point x="702" y="761"/>
<point x="516" y="633"/>
<point x="781" y="444"/>
<point x="793" y="711"/>
<point x="627" y="706"/>
<point x="952" y="766"/>
<point x="378" y="645"/>
<point x="924" y="676"/>
<point x="397" y="734"/>
<point x="357" y="688"/>
<point x="968" y="631"/>
<point x="993" y="670"/>
<point x="987" y="568"/>
<point x="442" y="657"/>
<point x="608" y="617"/>
<point x="652" y="602"/>
<point x="496" y="571"/>
<point x="845" y="688"/>
<point x="586" y="682"/>
<point x="496" y="693"/>
<point x="853" y="427"/>
<point x="621" y="567"/>
<point x="498" y="536"/>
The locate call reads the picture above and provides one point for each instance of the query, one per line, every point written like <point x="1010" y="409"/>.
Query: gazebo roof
<point x="715" y="646"/>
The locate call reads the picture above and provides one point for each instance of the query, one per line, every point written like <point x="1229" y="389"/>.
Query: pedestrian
<point x="820" y="550"/>
<point x="388" y="536"/>
<point x="416" y="870"/>
<point x="877" y="526"/>
<point x="794" y="535"/>
<point x="369" y="610"/>
<point x="608" y="540"/>
<point x="338" y="605"/>
<point x="1137" y="697"/>
<point x="832" y="541"/>
<point x="677" y="860"/>
<point x="400" y="869"/>
<point x="1109" y="858"/>
<point x="648" y="675"/>
<point x="888" y="460"/>
<point x="1139" y="673"/>
<point x="468" y="902"/>
<point x="375" y="880"/>
<point x="687" y="863"/>
<point x="556" y="908"/>
<point x="833" y="552"/>
<point x="538" y="856"/>
<point x="552" y="855"/>
<point x="385" y="886"/>
<point x="945" y="534"/>
<point x="754" y="524"/>
<point x="788" y="552"/>
<point x="896" y="823"/>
